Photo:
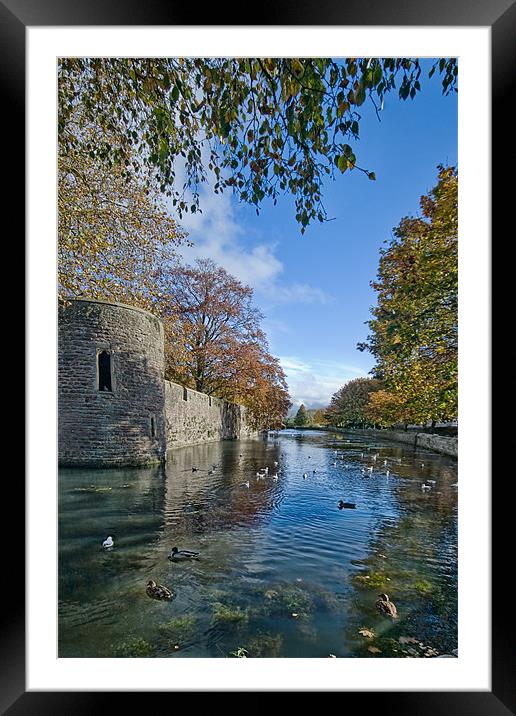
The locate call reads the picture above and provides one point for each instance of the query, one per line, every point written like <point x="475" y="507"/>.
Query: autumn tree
<point x="113" y="232"/>
<point x="319" y="416"/>
<point x="261" y="127"/>
<point x="348" y="406"/>
<point x="302" y="419"/>
<point x="414" y="329"/>
<point x="214" y="342"/>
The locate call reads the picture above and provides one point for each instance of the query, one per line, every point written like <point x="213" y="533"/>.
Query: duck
<point x="348" y="505"/>
<point x="158" y="591"/>
<point x="385" y="606"/>
<point x="108" y="543"/>
<point x="178" y="555"/>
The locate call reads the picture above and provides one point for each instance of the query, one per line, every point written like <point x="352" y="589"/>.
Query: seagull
<point x="305" y="476"/>
<point x="424" y="486"/>
<point x="387" y="473"/>
<point x="276" y="463"/>
<point x="108" y="543"/>
<point x="385" y="462"/>
<point x="245" y="484"/>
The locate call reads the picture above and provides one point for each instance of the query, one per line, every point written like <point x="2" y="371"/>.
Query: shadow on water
<point x="282" y="571"/>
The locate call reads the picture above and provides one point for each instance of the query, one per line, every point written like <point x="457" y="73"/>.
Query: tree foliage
<point x="112" y="233"/>
<point x="348" y="406"/>
<point x="302" y="418"/>
<point x="214" y="342"/>
<point x="259" y="126"/>
<point x="413" y="332"/>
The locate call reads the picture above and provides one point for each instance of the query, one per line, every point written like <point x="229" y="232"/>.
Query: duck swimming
<point x="385" y="606"/>
<point x="180" y="555"/>
<point x="348" y="505"/>
<point x="108" y="543"/>
<point x="158" y="591"/>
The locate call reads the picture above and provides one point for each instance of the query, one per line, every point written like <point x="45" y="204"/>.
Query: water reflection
<point x="283" y="571"/>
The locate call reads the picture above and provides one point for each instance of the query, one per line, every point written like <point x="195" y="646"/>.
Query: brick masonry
<point x="143" y="415"/>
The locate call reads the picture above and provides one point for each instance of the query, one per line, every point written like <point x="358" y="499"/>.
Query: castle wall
<point x="192" y="418"/>
<point x="122" y="426"/>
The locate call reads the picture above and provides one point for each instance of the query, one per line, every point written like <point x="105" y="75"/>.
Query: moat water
<point x="283" y="572"/>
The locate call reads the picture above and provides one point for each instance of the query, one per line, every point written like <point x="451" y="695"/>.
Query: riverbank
<point x="437" y="443"/>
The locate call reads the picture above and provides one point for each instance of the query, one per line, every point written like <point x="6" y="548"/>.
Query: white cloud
<point x="217" y="235"/>
<point x="314" y="383"/>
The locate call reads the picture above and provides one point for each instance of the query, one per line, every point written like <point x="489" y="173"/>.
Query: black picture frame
<point x="500" y="16"/>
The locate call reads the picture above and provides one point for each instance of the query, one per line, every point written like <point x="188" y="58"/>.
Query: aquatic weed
<point x="226" y="613"/>
<point x="135" y="647"/>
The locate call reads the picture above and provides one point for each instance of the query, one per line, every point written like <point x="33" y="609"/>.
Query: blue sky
<point x="314" y="289"/>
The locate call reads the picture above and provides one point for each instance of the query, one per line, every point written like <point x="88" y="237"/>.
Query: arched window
<point x="104" y="371"/>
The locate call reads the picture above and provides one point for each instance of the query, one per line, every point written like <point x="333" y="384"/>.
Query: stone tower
<point x="111" y="389"/>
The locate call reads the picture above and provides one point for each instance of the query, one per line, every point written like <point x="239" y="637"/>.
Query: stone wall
<point x="122" y="426"/>
<point x="192" y="418"/>
<point x="437" y="443"/>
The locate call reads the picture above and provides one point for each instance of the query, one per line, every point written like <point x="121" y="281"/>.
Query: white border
<point x="471" y="671"/>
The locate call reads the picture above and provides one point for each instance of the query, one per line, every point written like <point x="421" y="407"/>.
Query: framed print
<point x="247" y="504"/>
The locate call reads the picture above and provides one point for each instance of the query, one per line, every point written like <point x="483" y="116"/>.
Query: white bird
<point x="276" y="463"/>
<point x="431" y="482"/>
<point x="370" y="468"/>
<point x="305" y="476"/>
<point x="274" y="477"/>
<point x="425" y="487"/>
<point x="422" y="464"/>
<point x="245" y="484"/>
<point x="334" y="464"/>
<point x="387" y="473"/>
<point x="108" y="543"/>
<point x="385" y="462"/>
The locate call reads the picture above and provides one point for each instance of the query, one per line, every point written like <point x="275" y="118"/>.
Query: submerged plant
<point x="179" y="629"/>
<point x="265" y="645"/>
<point x="289" y="599"/>
<point x="373" y="580"/>
<point x="225" y="613"/>
<point x="136" y="647"/>
<point x="423" y="586"/>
